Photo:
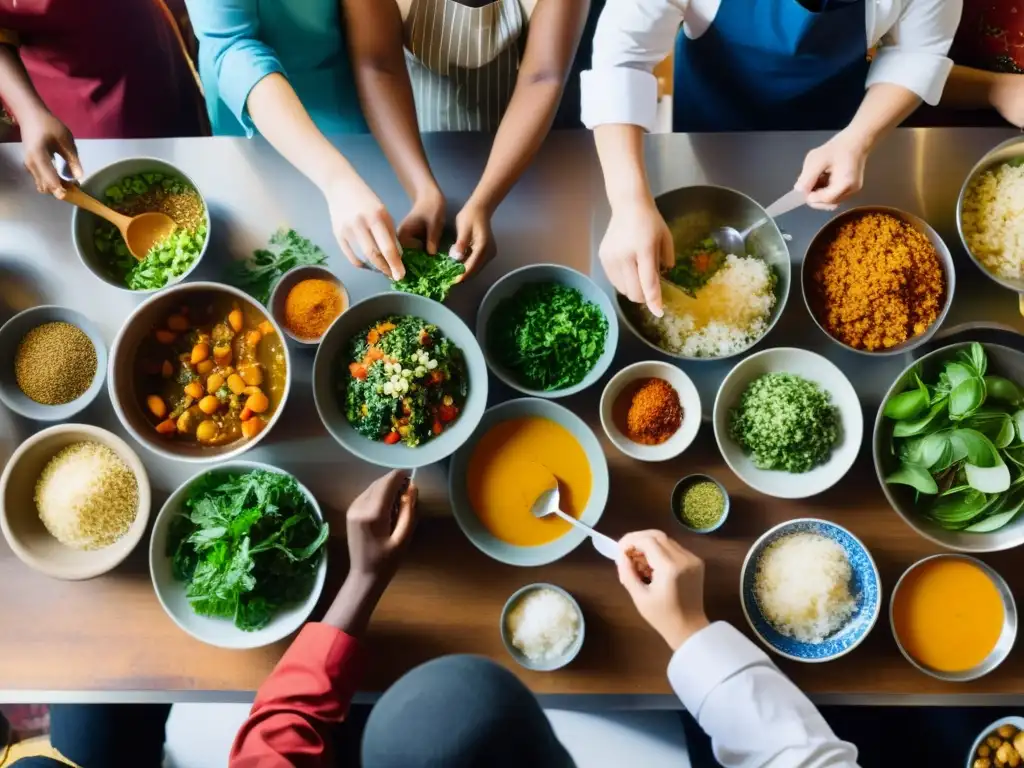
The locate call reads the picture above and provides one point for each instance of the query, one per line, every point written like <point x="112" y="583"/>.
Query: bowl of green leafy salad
<point x="141" y="185"/>
<point x="400" y="381"/>
<point x="949" y="446"/>
<point x="547" y="330"/>
<point x="238" y="556"/>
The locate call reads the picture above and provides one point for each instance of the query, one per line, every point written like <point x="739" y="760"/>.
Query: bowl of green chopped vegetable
<point x="399" y="380"/>
<point x="133" y="186"/>
<point x="238" y="556"/>
<point x="949" y="446"/>
<point x="788" y="422"/>
<point x="547" y="330"/>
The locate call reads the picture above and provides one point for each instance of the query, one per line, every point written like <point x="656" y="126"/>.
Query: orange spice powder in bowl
<point x="306" y="302"/>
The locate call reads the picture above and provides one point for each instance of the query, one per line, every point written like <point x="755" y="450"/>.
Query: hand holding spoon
<point x="548" y="504"/>
<point x="140" y="232"/>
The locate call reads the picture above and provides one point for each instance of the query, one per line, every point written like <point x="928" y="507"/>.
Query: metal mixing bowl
<point x="692" y="213"/>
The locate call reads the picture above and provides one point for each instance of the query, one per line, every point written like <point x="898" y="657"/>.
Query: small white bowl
<point x="689" y="399"/>
<point x="551" y="664"/>
<point x="171" y="593"/>
<point x="288" y="280"/>
<point x="813" y="367"/>
<point x="19" y="517"/>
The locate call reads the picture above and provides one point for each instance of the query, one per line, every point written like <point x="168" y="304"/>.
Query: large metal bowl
<point x="1006" y="638"/>
<point x="922" y="226"/>
<point x="692" y="213"/>
<point x="1002" y="361"/>
<point x="1011" y="149"/>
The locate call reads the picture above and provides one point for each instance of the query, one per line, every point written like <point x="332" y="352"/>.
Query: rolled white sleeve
<point x="632" y="37"/>
<point x="912" y="52"/>
<point x="754" y="715"/>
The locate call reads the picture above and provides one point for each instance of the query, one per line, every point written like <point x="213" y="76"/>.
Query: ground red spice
<point x="654" y="413"/>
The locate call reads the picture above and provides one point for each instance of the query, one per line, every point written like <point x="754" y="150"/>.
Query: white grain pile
<point x="727" y="315"/>
<point x="993" y="220"/>
<point x="86" y="496"/>
<point x="803" y="586"/>
<point x="543" y="625"/>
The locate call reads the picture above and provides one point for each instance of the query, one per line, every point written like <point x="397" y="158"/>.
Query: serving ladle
<point x="732" y="241"/>
<point x="140" y="232"/>
<point x="549" y="503"/>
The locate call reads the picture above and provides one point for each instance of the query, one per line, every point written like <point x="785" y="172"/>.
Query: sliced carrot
<point x="167" y="427"/>
<point x="358" y="371"/>
<point x="391" y="438"/>
<point x="373" y="336"/>
<point x="374" y="353"/>
<point x="246" y="414"/>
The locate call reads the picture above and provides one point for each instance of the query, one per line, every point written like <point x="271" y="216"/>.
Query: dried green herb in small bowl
<point x="700" y="503"/>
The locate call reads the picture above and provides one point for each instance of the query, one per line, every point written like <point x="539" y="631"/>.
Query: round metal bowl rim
<point x="876" y="459"/>
<point x="945" y="257"/>
<point x="777" y="311"/>
<point x="83" y="401"/>
<point x="1015" y="720"/>
<point x="874" y="567"/>
<point x="152" y="445"/>
<point x="692" y="478"/>
<point x="592" y="376"/>
<point x="1009" y="606"/>
<point x="229" y="466"/>
<point x="516" y="654"/>
<point x="979" y="167"/>
<point x="79" y="212"/>
<point x="283" y="280"/>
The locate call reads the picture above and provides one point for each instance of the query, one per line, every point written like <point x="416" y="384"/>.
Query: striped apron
<point x="462" y="61"/>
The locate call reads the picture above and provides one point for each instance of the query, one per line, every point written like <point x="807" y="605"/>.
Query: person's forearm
<point x="526" y="123"/>
<point x="969" y="88"/>
<point x="884" y="107"/>
<point x="16" y="89"/>
<point x="276" y="111"/>
<point x="620" y="148"/>
<point x="352" y="608"/>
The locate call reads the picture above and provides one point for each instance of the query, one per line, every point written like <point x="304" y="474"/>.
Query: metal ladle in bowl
<point x="732" y="241"/>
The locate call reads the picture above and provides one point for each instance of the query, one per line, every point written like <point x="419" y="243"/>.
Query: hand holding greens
<point x="246" y="546"/>
<point x="960" y="444"/>
<point x="429" y="276"/>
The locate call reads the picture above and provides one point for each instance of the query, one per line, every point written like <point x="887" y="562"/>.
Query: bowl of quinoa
<point x="140" y="185"/>
<point x="878" y="280"/>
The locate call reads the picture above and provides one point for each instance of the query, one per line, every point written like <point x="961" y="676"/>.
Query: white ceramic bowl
<point x="689" y="399"/>
<point x="171" y="592"/>
<point x="813" y="367"/>
<point x="288" y="281"/>
<point x="547" y="665"/>
<point x="1014" y="720"/>
<point x="19" y="517"/>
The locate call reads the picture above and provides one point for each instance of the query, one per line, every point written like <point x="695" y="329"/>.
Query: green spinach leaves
<point x="430" y="276"/>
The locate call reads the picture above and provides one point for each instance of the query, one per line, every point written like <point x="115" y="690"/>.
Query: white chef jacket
<point x="756" y="717"/>
<point x="633" y="36"/>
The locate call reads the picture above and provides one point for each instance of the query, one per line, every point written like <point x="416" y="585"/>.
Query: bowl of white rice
<point x="542" y="627"/>
<point x="810" y="590"/>
<point x="74" y="501"/>
<point x="990" y="214"/>
<point x="744" y="297"/>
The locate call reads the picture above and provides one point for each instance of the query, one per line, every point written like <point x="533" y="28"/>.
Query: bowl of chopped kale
<point x="547" y="330"/>
<point x="400" y="381"/>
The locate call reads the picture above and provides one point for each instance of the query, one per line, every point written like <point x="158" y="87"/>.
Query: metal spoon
<point x="140" y="232"/>
<point x="548" y="504"/>
<point x="733" y="241"/>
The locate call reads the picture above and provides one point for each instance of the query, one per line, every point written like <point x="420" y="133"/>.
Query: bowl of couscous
<point x="878" y="280"/>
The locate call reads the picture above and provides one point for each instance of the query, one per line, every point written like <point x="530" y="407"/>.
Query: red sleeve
<point x="307" y="694"/>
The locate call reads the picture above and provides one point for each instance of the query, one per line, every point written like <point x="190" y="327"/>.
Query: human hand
<point x="474" y="241"/>
<point x="673" y="603"/>
<point x="375" y="548"/>
<point x="634" y="251"/>
<point x="834" y="171"/>
<point x="1007" y="97"/>
<point x="42" y="135"/>
<point x="424" y="224"/>
<point x="360" y="220"/>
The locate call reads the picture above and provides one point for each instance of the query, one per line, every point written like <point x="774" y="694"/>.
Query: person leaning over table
<point x="753" y="65"/>
<point x="68" y="70"/>
<point x="281" y="67"/>
<point x="466" y="712"/>
<point x="462" y="65"/>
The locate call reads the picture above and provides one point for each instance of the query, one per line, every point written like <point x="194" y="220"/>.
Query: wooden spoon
<point x="140" y="232"/>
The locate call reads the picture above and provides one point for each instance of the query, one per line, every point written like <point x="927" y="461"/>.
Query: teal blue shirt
<point x="243" y="41"/>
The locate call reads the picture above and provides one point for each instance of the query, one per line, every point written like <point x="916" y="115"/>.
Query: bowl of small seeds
<point x="142" y="185"/>
<point x="700" y="504"/>
<point x="52" y="363"/>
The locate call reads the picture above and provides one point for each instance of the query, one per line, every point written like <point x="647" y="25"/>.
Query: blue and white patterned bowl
<point x="866" y="586"/>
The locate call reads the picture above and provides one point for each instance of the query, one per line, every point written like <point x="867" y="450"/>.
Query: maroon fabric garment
<point x="106" y="68"/>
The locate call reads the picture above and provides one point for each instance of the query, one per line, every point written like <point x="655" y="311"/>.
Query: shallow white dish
<point x="171" y="592"/>
<point x="813" y="367"/>
<point x="689" y="399"/>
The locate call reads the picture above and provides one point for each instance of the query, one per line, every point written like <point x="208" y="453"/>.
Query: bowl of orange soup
<point x="953" y="617"/>
<point x="516" y="453"/>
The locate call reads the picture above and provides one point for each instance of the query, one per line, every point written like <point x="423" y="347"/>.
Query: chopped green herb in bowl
<point x="548" y="336"/>
<point x="286" y="250"/>
<point x="429" y="276"/>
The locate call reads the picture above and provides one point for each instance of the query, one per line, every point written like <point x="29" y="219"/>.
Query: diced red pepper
<point x="358" y="371"/>
<point x="373" y="336"/>
<point x="391" y="438"/>
<point x="436" y="377"/>
<point x="372" y="354"/>
<point x="437" y="428"/>
<point x="447" y="413"/>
